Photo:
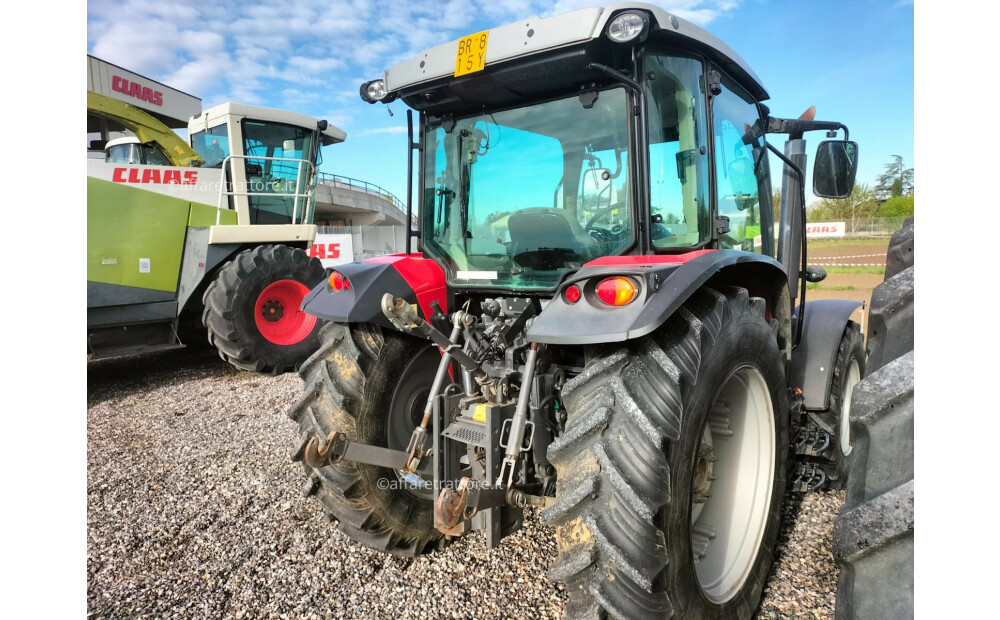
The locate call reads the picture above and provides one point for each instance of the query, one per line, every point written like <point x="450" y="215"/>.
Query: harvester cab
<point x="212" y="230"/>
<point x="598" y="320"/>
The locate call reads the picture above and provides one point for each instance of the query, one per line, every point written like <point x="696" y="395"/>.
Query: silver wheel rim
<point x="853" y="377"/>
<point x="727" y="529"/>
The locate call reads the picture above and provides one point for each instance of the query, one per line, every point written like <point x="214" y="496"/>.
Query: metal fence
<point x="341" y="181"/>
<point x="371" y="241"/>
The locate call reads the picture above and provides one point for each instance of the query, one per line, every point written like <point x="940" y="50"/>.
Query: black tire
<point x="359" y="376"/>
<point x="900" y="252"/>
<point x="626" y="462"/>
<point x="230" y="308"/>
<point x="851" y="352"/>
<point x="890" y="322"/>
<point x="873" y="535"/>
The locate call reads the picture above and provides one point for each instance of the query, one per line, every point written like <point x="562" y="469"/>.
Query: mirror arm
<point x="790" y="126"/>
<point x="802" y="196"/>
<point x="617" y="76"/>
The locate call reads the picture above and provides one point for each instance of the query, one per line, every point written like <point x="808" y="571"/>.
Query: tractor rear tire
<point x="355" y="382"/>
<point x="873" y="535"/>
<point x="635" y="501"/>
<point x="252" y="310"/>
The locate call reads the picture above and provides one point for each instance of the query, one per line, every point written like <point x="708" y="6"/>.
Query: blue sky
<point x="852" y="59"/>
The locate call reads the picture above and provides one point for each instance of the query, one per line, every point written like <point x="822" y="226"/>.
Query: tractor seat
<point x="546" y="231"/>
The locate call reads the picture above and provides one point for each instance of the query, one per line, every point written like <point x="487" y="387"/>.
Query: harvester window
<point x="678" y="152"/>
<point x="269" y="146"/>
<point x="212" y="144"/>
<point x="741" y="172"/>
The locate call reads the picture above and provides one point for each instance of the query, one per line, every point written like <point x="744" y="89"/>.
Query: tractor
<point x="598" y="320"/>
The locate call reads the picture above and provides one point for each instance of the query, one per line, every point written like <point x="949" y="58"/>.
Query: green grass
<point x="875" y="270"/>
<point x="816" y="285"/>
<point x="836" y="243"/>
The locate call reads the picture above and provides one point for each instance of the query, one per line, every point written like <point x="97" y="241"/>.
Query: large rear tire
<point x="372" y="385"/>
<point x="873" y="535"/>
<point x="252" y="312"/>
<point x="675" y="449"/>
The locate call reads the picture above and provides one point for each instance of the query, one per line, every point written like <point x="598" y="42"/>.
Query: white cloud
<point x="237" y="50"/>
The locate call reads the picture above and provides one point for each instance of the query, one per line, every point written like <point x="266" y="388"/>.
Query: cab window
<point x="678" y="151"/>
<point x="742" y="176"/>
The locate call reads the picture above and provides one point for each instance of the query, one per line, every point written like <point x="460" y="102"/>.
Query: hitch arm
<point x="337" y="447"/>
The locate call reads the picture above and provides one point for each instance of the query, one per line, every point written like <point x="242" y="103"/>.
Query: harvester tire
<point x="635" y="496"/>
<point x="873" y="535"/>
<point x="848" y="369"/>
<point x="252" y="313"/>
<point x="358" y="377"/>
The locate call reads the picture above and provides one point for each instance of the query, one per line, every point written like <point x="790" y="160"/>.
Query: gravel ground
<point x="194" y="510"/>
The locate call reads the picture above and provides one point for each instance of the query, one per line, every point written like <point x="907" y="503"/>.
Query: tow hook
<point x="319" y="452"/>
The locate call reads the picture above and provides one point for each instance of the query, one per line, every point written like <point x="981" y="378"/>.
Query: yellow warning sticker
<point x="479" y="415"/>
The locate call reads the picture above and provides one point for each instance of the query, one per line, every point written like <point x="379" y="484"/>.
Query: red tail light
<point x="616" y="291"/>
<point x="338" y="282"/>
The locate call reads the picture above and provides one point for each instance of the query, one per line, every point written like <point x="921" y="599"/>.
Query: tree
<point x="897" y="180"/>
<point x="860" y="205"/>
<point x="897" y="206"/>
<point x="776" y="201"/>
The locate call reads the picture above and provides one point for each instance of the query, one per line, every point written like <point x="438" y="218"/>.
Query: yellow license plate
<point x="471" y="55"/>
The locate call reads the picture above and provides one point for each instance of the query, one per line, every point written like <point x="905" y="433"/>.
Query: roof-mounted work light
<point x="374" y="90"/>
<point x="629" y="27"/>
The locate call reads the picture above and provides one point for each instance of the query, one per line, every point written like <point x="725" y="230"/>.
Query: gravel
<point x="194" y="510"/>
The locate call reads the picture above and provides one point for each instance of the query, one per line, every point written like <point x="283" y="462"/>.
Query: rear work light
<point x="338" y="282"/>
<point x="616" y="291"/>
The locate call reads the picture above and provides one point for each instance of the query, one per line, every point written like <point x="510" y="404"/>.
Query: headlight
<point x="628" y="26"/>
<point x="375" y="91"/>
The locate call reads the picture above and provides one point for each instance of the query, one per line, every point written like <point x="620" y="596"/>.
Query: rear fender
<point x="665" y="283"/>
<point x="816" y="354"/>
<point x="416" y="279"/>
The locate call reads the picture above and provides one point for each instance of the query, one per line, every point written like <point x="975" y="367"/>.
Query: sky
<point x="852" y="59"/>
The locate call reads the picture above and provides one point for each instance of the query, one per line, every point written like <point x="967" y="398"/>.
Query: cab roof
<point x="536" y="35"/>
<point x="209" y="117"/>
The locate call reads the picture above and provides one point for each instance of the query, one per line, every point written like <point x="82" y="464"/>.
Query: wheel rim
<point x="278" y="316"/>
<point x="727" y="529"/>
<point x="852" y="379"/>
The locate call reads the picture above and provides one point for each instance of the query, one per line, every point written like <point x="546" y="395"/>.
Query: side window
<point x="741" y="172"/>
<point x="678" y="151"/>
<point x="212" y="145"/>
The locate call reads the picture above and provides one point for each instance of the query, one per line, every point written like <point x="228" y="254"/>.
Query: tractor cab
<point x="268" y="158"/>
<point x="550" y="143"/>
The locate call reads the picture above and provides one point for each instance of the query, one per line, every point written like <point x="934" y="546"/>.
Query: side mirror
<point x="835" y="169"/>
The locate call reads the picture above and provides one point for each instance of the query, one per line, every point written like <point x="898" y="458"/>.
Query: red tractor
<point x="597" y="319"/>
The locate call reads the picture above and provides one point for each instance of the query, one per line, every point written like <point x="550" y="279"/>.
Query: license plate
<point x="471" y="55"/>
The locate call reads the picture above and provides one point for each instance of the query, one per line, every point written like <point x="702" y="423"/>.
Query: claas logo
<point x="323" y="251"/>
<point x="155" y="175"/>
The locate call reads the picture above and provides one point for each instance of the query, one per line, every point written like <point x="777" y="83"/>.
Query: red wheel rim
<point x="277" y="313"/>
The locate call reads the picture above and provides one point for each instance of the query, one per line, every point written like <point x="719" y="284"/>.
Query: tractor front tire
<point x="252" y="313"/>
<point x="371" y="384"/>
<point x="672" y="467"/>
<point x="848" y="369"/>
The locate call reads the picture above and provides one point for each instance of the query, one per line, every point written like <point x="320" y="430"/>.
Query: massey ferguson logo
<point x="134" y="89"/>
<point x="153" y="175"/>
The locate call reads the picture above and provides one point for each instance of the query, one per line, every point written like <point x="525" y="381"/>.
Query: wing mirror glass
<point x="835" y="169"/>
